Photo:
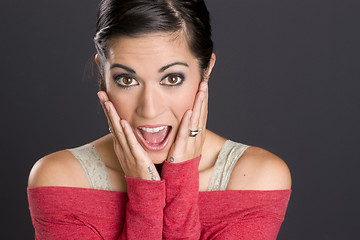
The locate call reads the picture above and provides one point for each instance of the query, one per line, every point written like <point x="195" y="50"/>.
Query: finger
<point x="133" y="145"/>
<point x="140" y="156"/>
<point x="125" y="142"/>
<point x="184" y="126"/>
<point x="104" y="98"/>
<point x="204" y="107"/>
<point x="119" y="137"/>
<point x="117" y="146"/>
<point x="109" y="112"/>
<point x="195" y="117"/>
<point x="114" y="118"/>
<point x="117" y="128"/>
<point x="182" y="137"/>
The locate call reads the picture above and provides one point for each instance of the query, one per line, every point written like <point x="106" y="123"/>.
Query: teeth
<point x="153" y="130"/>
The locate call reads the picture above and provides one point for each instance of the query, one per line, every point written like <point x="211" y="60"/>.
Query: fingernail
<point x="99" y="96"/>
<point x="202" y="97"/>
<point x="107" y="106"/>
<point x="204" y="86"/>
<point x="189" y="114"/>
<point x="122" y="122"/>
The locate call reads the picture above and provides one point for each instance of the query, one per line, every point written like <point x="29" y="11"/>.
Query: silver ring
<point x="193" y="133"/>
<point x="110" y="129"/>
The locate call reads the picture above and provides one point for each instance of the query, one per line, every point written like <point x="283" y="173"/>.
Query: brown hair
<point x="133" y="18"/>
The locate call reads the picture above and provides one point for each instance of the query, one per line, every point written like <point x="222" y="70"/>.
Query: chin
<point x="158" y="157"/>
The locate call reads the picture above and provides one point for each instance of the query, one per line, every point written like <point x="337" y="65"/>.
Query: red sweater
<point x="172" y="208"/>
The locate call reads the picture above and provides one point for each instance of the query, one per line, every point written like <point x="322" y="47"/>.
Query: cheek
<point x="123" y="106"/>
<point x="184" y="102"/>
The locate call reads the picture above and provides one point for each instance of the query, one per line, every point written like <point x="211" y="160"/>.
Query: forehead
<point x="156" y="48"/>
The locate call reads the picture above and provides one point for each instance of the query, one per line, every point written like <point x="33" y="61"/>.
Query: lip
<point x="153" y="147"/>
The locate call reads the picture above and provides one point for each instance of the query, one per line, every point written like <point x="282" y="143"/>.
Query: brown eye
<point x="125" y="81"/>
<point x="172" y="80"/>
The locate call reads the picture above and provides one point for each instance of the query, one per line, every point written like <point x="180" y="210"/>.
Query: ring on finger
<point x="193" y="133"/>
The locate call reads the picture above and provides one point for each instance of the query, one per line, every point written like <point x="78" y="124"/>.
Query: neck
<point x="159" y="167"/>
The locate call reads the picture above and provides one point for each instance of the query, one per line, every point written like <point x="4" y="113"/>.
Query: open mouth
<point x="154" y="138"/>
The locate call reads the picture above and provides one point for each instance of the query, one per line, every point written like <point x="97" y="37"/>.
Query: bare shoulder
<point x="259" y="169"/>
<point x="57" y="169"/>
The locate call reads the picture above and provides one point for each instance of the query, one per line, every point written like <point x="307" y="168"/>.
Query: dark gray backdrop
<point x="286" y="79"/>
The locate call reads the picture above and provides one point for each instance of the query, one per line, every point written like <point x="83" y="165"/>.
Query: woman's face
<point x="152" y="80"/>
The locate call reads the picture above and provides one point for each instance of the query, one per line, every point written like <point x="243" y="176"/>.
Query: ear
<point x="97" y="59"/>
<point x="210" y="67"/>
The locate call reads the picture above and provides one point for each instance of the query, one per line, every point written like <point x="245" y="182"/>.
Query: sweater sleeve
<point x="261" y="226"/>
<point x="264" y="229"/>
<point x="144" y="209"/>
<point x="181" y="213"/>
<point x="75" y="213"/>
<point x="244" y="215"/>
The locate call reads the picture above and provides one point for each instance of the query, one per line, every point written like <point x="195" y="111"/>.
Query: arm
<point x="146" y="192"/>
<point x="264" y="229"/>
<point x="181" y="214"/>
<point x="264" y="181"/>
<point x="253" y="215"/>
<point x="181" y="175"/>
<point x="144" y="209"/>
<point x="68" y="212"/>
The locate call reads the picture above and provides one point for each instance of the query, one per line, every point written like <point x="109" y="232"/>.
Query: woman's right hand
<point x="133" y="159"/>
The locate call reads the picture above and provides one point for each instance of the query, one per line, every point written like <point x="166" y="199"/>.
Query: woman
<point x="159" y="174"/>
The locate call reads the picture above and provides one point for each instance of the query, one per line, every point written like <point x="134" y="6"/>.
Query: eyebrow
<point x="172" y="64"/>
<point x="130" y="70"/>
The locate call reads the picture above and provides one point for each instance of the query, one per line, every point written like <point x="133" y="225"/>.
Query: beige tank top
<point x="98" y="176"/>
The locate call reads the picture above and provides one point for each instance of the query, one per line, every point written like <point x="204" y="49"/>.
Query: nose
<point x="151" y="104"/>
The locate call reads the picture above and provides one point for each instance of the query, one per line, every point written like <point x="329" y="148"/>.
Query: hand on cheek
<point x="133" y="159"/>
<point x="187" y="147"/>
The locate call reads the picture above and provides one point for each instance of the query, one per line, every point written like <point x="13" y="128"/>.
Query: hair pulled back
<point x="133" y="18"/>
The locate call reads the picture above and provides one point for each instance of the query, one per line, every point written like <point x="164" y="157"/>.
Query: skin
<point x="151" y="102"/>
<point x="150" y="95"/>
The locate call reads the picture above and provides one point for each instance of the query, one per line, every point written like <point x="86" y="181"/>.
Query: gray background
<point x="286" y="79"/>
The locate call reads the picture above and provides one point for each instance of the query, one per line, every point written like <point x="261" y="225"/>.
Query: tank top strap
<point x="228" y="156"/>
<point x="93" y="166"/>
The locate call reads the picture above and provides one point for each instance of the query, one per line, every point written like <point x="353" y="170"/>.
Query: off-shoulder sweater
<point x="172" y="208"/>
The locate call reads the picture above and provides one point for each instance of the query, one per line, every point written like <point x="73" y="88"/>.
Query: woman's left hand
<point x="188" y="147"/>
